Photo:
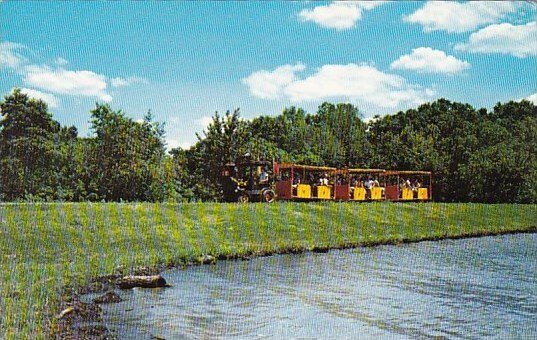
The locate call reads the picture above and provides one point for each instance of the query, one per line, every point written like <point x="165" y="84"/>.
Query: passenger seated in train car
<point x="323" y="180"/>
<point x="367" y="185"/>
<point x="320" y="180"/>
<point x="406" y="184"/>
<point x="376" y="184"/>
<point x="415" y="186"/>
<point x="402" y="185"/>
<point x="353" y="182"/>
<point x="296" y="182"/>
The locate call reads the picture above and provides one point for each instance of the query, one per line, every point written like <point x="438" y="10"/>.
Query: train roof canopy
<point x="305" y="167"/>
<point x="253" y="163"/>
<point x="407" y="172"/>
<point x="365" y="171"/>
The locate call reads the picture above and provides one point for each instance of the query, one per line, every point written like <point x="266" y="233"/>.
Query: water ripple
<point x="451" y="289"/>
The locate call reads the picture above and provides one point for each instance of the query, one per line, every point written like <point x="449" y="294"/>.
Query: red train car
<point x="304" y="182"/>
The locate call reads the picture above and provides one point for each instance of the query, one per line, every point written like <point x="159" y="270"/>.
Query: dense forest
<point x="475" y="155"/>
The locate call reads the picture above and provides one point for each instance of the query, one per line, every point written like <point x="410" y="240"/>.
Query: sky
<point x="186" y="60"/>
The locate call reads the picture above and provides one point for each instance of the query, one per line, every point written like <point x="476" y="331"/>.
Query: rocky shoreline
<point x="83" y="320"/>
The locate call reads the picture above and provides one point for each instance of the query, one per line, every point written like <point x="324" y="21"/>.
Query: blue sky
<point x="185" y="60"/>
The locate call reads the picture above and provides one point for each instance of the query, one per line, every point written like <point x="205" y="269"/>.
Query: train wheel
<point x="243" y="198"/>
<point x="268" y="196"/>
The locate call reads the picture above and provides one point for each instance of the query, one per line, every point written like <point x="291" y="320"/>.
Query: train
<point x="249" y="180"/>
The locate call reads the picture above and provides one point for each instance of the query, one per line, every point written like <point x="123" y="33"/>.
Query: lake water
<point x="480" y="287"/>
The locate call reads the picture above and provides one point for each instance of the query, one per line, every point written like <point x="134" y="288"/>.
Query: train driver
<point x="263" y="176"/>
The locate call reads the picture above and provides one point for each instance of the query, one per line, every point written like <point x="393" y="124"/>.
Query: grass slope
<point x="47" y="247"/>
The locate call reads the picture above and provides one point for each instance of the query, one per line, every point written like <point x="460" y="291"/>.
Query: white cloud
<point x="48" y="98"/>
<point x="56" y="79"/>
<point x="61" y="81"/>
<point x="185" y="145"/>
<point x="205" y="121"/>
<point x="520" y="41"/>
<point x="174" y="143"/>
<point x="428" y="60"/>
<point x="338" y="15"/>
<point x="118" y="81"/>
<point x="368" y="4"/>
<point x="269" y="84"/>
<point x="10" y="56"/>
<point x="456" y="17"/>
<point x="372" y="119"/>
<point x="360" y="84"/>
<point x="533" y="98"/>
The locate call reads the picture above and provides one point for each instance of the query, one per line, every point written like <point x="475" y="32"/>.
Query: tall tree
<point x="26" y="147"/>
<point x="128" y="156"/>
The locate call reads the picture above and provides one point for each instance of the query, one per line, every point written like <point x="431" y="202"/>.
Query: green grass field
<point x="45" y="248"/>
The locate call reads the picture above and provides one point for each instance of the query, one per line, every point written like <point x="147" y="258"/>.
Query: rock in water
<point x="206" y="259"/>
<point x="108" y="297"/>
<point x="66" y="312"/>
<point x="149" y="281"/>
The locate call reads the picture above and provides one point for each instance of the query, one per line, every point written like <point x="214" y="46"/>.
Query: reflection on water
<point x="483" y="287"/>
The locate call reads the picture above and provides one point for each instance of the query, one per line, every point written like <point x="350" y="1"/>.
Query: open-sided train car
<point x="359" y="185"/>
<point x="304" y="182"/>
<point x="408" y="185"/>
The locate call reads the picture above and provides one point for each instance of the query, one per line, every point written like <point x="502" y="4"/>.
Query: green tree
<point x="26" y="147"/>
<point x="340" y="136"/>
<point x="474" y="155"/>
<point x="128" y="157"/>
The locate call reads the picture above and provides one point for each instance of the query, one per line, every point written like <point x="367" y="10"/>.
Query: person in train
<point x="264" y="176"/>
<point x="324" y="179"/>
<point x="367" y="185"/>
<point x="296" y="180"/>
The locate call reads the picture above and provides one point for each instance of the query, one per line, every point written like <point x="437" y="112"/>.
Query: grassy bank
<point x="47" y="247"/>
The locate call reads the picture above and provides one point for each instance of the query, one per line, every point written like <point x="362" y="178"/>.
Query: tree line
<point x="476" y="155"/>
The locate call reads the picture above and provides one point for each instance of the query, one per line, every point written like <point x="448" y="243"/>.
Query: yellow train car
<point x="317" y="183"/>
<point x="304" y="182"/>
<point x="359" y="185"/>
<point x="408" y="185"/>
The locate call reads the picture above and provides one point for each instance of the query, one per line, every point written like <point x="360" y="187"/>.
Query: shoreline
<point x="53" y="252"/>
<point x="107" y="282"/>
